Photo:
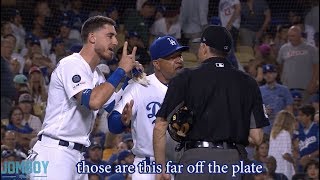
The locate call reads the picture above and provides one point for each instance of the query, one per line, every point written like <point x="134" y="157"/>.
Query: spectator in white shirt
<point x="281" y="143"/>
<point x="167" y="25"/>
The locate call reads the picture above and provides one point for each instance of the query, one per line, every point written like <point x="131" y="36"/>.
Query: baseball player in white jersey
<point x="167" y="60"/>
<point x="77" y="91"/>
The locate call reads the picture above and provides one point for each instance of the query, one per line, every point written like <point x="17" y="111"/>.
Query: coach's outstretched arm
<point x="117" y="122"/>
<point x="95" y="98"/>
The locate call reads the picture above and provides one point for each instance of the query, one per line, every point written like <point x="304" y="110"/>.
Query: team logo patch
<point x="76" y="78"/>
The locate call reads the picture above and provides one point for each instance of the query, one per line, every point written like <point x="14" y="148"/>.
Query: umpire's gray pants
<point x="221" y="156"/>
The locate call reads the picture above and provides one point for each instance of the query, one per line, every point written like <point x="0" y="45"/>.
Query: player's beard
<point x="105" y="53"/>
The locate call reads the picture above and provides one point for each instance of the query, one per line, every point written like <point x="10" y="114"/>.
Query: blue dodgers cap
<point x="165" y="46"/>
<point x="123" y="154"/>
<point x="269" y="68"/>
<point x="296" y="95"/>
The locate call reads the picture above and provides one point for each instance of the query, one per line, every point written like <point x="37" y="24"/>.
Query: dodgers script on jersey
<point x="65" y="118"/>
<point x="147" y="102"/>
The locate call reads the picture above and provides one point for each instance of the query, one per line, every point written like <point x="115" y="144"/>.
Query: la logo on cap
<point x="172" y="42"/>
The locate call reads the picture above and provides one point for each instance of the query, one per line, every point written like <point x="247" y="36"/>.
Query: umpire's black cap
<point x="217" y="37"/>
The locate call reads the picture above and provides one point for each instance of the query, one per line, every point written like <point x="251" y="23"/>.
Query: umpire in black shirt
<point x="227" y="110"/>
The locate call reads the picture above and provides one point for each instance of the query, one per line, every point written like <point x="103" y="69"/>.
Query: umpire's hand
<point x="127" y="113"/>
<point x="128" y="61"/>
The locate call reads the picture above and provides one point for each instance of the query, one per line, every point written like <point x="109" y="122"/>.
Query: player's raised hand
<point x="127" y="113"/>
<point x="127" y="61"/>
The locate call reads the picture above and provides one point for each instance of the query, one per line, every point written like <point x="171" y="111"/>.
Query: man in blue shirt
<point x="275" y="97"/>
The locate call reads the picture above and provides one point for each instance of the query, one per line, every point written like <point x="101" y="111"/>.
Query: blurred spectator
<point x="255" y="19"/>
<point x="43" y="62"/>
<point x="229" y="14"/>
<point x="9" y="140"/>
<point x="113" y="64"/>
<point x="296" y="19"/>
<point x="160" y="10"/>
<point x="275" y="97"/>
<point x="33" y="54"/>
<point x="38" y="91"/>
<point x="281" y="37"/>
<point x="134" y="39"/>
<point x="266" y="54"/>
<point x="95" y="158"/>
<point x="15" y="66"/>
<point x="104" y="69"/>
<point x="297" y="101"/>
<point x="6" y="29"/>
<point x="272" y="173"/>
<point x="193" y="20"/>
<point x="8" y="91"/>
<point x="42" y="9"/>
<point x="18" y="29"/>
<point x="111" y="145"/>
<point x="308" y="135"/>
<point x="261" y="152"/>
<point x="125" y="157"/>
<point x="312" y="170"/>
<point x="15" y="122"/>
<point x="127" y="138"/>
<point x="76" y="48"/>
<point x="112" y="12"/>
<point x="312" y="17"/>
<point x="97" y="136"/>
<point x="20" y="82"/>
<point x="254" y="69"/>
<point x="26" y="105"/>
<point x="167" y="25"/>
<point x="58" y="51"/>
<point x="281" y="143"/>
<point x="139" y="4"/>
<point x="140" y="21"/>
<point x="68" y="35"/>
<point x="122" y="146"/>
<point x="16" y="56"/>
<point x="38" y="28"/>
<point x="298" y="56"/>
<point x="77" y="14"/>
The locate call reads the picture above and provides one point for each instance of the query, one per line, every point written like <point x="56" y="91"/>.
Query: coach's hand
<point x="128" y="61"/>
<point x="127" y="113"/>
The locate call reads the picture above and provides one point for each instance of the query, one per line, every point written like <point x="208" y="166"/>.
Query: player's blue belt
<point x="206" y="144"/>
<point x="76" y="146"/>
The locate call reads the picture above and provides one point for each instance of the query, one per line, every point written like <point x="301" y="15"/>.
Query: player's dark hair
<point x="308" y="110"/>
<point x="94" y="23"/>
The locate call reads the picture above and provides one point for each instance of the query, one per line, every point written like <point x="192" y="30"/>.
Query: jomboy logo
<point x="13" y="168"/>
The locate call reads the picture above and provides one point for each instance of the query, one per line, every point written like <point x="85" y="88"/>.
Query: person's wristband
<point x="116" y="77"/>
